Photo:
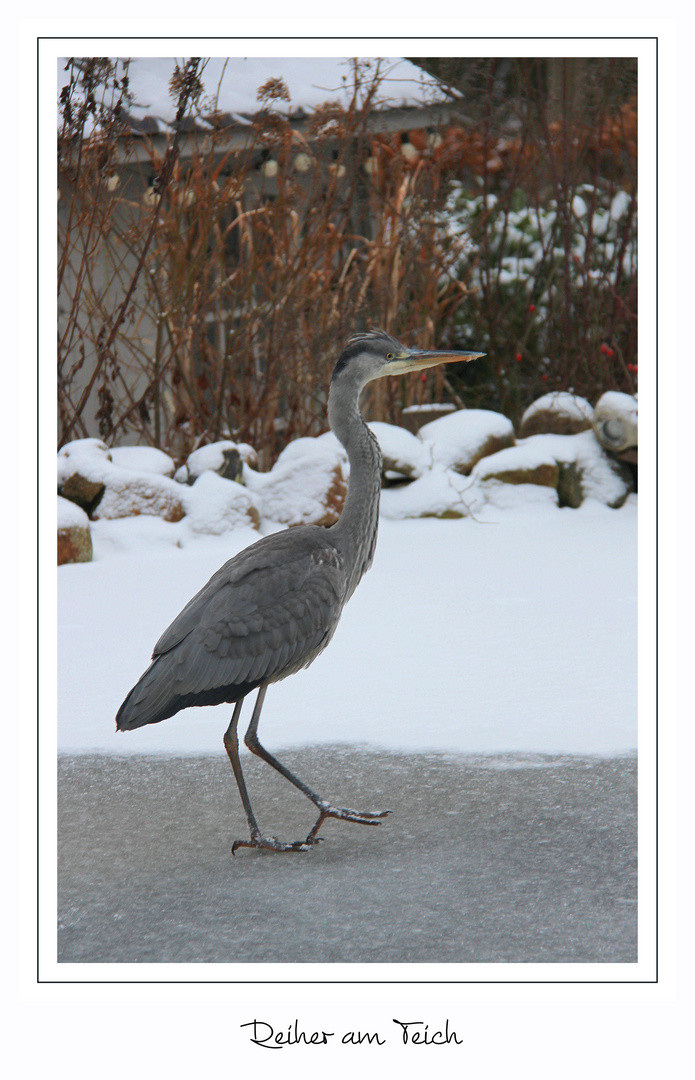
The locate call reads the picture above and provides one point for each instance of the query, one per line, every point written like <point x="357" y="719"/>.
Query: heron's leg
<point x="325" y="808"/>
<point x="231" y="745"/>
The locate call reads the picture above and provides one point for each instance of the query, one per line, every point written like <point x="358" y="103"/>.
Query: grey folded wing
<point x="265" y="614"/>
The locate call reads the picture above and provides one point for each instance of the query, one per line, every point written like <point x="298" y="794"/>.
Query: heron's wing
<point x="264" y="614"/>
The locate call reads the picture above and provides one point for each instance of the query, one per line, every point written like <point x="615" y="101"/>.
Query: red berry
<point x="423" y="377"/>
<point x="544" y="378"/>
<point x="532" y="307"/>
<point x="518" y="358"/>
<point x="609" y="352"/>
<point x="604" y="348"/>
<point x="634" y="368"/>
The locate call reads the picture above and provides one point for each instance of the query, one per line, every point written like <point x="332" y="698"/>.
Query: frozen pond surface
<point x="508" y="859"/>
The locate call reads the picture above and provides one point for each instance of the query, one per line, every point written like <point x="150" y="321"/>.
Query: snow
<point x="444" y="407"/>
<point x="216" y="505"/>
<point x="212" y="457"/>
<point x="401" y="450"/>
<point x="439" y="492"/>
<point x="456" y="440"/>
<point x="70" y="515"/>
<point x="297" y="488"/>
<point x="510" y="631"/>
<point x="234" y="82"/>
<point x="618" y="404"/>
<point x="127" y="491"/>
<point x="143" y="459"/>
<point x="599" y="480"/>
<point x="562" y="402"/>
<point x="615" y="420"/>
<point x="620" y="204"/>
<point x="91" y="458"/>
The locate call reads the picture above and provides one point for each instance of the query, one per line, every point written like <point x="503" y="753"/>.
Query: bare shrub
<point x="207" y="277"/>
<point x="242" y="275"/>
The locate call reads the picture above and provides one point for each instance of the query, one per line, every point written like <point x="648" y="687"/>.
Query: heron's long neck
<point x="355" y="533"/>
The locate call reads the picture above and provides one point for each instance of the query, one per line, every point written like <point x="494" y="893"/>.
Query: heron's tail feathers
<point x="150" y="700"/>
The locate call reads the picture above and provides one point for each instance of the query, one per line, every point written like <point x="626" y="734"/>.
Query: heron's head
<point x="373" y="355"/>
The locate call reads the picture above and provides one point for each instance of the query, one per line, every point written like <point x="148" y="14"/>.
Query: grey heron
<point x="270" y="610"/>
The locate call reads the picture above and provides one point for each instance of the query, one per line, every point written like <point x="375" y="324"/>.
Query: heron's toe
<point x="270" y="843"/>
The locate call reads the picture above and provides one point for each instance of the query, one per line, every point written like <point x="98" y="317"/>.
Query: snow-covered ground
<point x="512" y="631"/>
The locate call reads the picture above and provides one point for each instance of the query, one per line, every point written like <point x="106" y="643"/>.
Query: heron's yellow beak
<point x="417" y="359"/>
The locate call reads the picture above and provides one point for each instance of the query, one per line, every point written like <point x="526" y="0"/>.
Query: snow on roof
<point x="232" y="83"/>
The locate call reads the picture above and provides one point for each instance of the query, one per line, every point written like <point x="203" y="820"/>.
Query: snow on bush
<point x="460" y="439"/>
<point x="525" y="238"/>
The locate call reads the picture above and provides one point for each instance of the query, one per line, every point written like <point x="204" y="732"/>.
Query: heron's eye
<point x="390" y="356"/>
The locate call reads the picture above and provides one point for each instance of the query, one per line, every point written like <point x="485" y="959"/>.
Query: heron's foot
<point x="344" y="814"/>
<point x="271" y="843"/>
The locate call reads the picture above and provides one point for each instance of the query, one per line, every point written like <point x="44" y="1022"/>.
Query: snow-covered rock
<point x="575" y="466"/>
<point x="403" y="454"/>
<point x="462" y="438"/>
<point x="557" y="413"/>
<point x="306" y="447"/>
<point x="615" y="421"/>
<point x="529" y="462"/>
<point x="88" y="476"/>
<point x="225" y="458"/>
<point x="439" y="492"/>
<point x="128" y="494"/>
<point x="143" y="459"/>
<point x="82" y="465"/>
<point x="74" y="537"/>
<point x="416" y="416"/>
<point x="215" y="505"/>
<point x="306" y="486"/>
<point x="328" y="439"/>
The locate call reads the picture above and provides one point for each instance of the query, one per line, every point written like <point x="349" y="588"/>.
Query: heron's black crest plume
<point x="356" y="344"/>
